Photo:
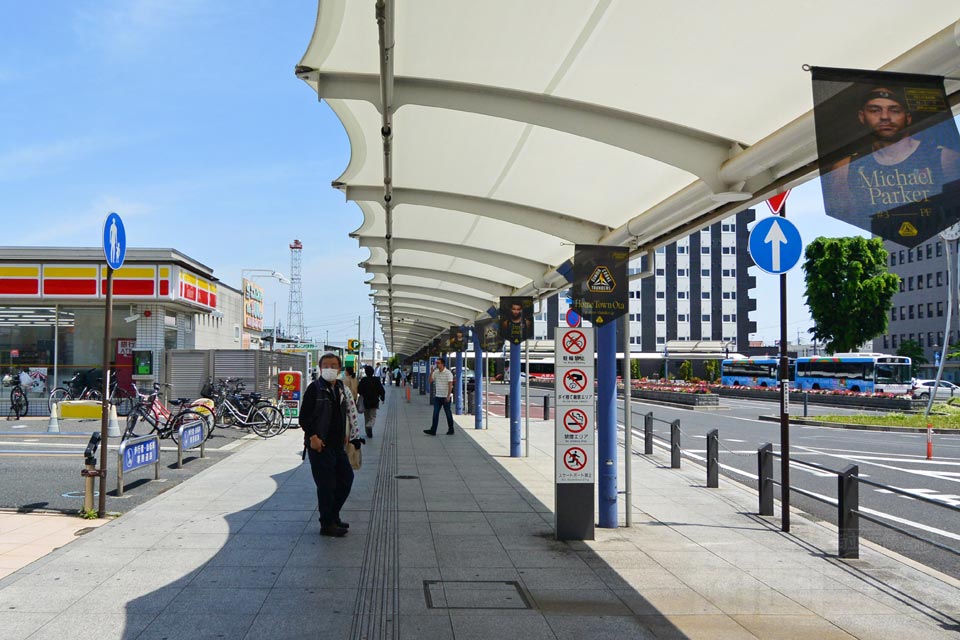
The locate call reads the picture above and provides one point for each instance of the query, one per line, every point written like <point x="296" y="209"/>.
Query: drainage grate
<point x="406" y="477"/>
<point x="474" y="594"/>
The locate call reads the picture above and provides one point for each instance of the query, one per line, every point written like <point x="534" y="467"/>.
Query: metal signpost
<point x="114" y="251"/>
<point x="135" y="453"/>
<point x="775" y="246"/>
<point x="574" y="434"/>
<point x="192" y="435"/>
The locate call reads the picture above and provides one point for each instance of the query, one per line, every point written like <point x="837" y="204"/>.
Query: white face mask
<point x="329" y="374"/>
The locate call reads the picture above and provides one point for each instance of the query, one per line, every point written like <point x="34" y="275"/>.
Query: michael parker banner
<point x="457" y="339"/>
<point x="516" y="319"/>
<point x="600" y="286"/>
<point x="888" y="152"/>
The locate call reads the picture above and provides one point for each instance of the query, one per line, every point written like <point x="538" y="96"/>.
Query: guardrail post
<point x="765" y="478"/>
<point x="546" y="407"/>
<point x="506" y="404"/>
<point x="848" y="493"/>
<point x="675" y="444"/>
<point x="648" y="434"/>
<point x="713" y="459"/>
<point x="806" y="401"/>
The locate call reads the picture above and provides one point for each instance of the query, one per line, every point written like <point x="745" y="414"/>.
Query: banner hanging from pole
<point x="600" y="287"/>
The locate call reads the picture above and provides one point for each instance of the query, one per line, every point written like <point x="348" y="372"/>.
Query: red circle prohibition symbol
<point x="574" y="342"/>
<point x="575" y="459"/>
<point x="575" y="420"/>
<point x="574" y="381"/>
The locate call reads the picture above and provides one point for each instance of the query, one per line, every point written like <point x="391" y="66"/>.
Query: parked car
<point x="946" y="390"/>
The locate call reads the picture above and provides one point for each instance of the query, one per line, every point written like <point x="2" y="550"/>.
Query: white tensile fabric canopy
<point x="487" y="138"/>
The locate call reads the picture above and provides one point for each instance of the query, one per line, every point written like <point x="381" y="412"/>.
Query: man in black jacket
<point x="324" y="419"/>
<point x="372" y="392"/>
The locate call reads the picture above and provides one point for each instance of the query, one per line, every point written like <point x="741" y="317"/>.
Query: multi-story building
<point x="919" y="308"/>
<point x="699" y="290"/>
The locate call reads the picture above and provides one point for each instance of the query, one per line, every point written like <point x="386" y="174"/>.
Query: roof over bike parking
<point x="488" y="138"/>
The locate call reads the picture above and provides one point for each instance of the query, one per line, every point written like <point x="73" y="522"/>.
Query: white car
<point x="946" y="390"/>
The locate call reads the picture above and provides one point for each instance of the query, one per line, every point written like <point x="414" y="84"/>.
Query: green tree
<point x="634" y="369"/>
<point x="393" y="362"/>
<point x="686" y="370"/>
<point x="849" y="290"/>
<point x="713" y="369"/>
<point x="913" y="350"/>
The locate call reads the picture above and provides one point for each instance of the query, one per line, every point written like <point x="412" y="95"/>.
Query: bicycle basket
<point x="7" y="380"/>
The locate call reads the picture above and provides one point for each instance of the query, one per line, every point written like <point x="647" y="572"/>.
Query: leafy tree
<point x="713" y="369"/>
<point x="849" y="290"/>
<point x="913" y="350"/>
<point x="686" y="370"/>
<point x="634" y="369"/>
<point x="393" y="362"/>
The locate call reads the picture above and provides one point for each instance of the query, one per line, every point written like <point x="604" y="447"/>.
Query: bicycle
<point x="19" y="403"/>
<point x="246" y="410"/>
<point x="77" y="389"/>
<point x="150" y="412"/>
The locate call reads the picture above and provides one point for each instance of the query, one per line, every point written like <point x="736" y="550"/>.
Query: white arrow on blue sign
<point x="114" y="241"/>
<point x="775" y="245"/>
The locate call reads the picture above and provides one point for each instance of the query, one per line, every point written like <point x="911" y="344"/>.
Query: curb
<point x="860" y="427"/>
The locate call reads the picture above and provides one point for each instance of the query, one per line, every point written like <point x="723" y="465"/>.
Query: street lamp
<point x="250" y="274"/>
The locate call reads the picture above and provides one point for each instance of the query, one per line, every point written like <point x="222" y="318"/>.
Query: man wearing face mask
<point x="324" y="415"/>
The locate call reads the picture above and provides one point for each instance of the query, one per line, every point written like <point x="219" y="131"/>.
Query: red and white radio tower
<point x="295" y="303"/>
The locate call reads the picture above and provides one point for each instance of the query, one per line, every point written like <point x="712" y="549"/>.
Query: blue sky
<point x="185" y="117"/>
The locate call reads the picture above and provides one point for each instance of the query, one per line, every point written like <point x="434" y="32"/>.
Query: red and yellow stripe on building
<point x="70" y="281"/>
<point x="132" y="282"/>
<point x="199" y="290"/>
<point x="20" y="281"/>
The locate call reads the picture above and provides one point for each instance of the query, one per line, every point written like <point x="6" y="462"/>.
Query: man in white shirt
<point x="442" y="379"/>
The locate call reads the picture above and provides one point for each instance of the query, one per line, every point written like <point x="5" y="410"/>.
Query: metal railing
<point x="676" y="450"/>
<point x="847" y="502"/>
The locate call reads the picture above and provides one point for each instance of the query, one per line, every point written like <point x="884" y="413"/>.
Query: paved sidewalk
<point x="26" y="537"/>
<point x="450" y="538"/>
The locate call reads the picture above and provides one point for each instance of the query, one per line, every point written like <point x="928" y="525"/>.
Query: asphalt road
<point x="41" y="472"/>
<point x="895" y="459"/>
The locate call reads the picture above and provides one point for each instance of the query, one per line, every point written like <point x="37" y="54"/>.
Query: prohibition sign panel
<point x="574" y="342"/>
<point x="574" y="464"/>
<point x="575" y="420"/>
<point x="575" y="380"/>
<point x="575" y="459"/>
<point x="575" y="425"/>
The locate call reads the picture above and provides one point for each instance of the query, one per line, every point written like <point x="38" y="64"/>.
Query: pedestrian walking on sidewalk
<point x="442" y="379"/>
<point x="372" y="393"/>
<point x="328" y="423"/>
<point x="350" y="380"/>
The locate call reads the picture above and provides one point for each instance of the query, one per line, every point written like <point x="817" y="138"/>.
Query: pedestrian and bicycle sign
<point x="775" y="245"/>
<point x="114" y="241"/>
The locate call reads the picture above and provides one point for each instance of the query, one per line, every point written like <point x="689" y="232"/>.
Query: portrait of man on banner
<point x="516" y="319"/>
<point x="457" y="340"/>
<point x="600" y="289"/>
<point x="888" y="151"/>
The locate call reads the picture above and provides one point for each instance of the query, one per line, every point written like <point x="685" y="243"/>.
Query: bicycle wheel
<point x="181" y="419"/>
<point x="138" y="424"/>
<point x="58" y="395"/>
<point x="18" y="402"/>
<point x="208" y="417"/>
<point x="279" y="426"/>
<point x="263" y="420"/>
<point x="123" y="401"/>
<point x="92" y="394"/>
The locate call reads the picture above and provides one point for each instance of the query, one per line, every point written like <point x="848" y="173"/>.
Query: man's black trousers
<point x="333" y="476"/>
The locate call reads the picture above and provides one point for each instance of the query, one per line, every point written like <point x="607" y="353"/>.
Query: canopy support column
<point x="607" y="424"/>
<point x="458" y="385"/>
<point x="514" y="400"/>
<point x="478" y="388"/>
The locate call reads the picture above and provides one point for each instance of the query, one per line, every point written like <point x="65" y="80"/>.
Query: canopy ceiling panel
<point x="487" y="138"/>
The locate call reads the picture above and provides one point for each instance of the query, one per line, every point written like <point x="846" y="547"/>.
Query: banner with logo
<point x="888" y="152"/>
<point x="600" y="287"/>
<point x="489" y="335"/>
<point x="516" y="319"/>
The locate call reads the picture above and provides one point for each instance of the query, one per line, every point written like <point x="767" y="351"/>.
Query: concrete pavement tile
<point x="307" y="625"/>
<point x="579" y="627"/>
<point x="789" y="627"/>
<point x="546" y="558"/>
<point x="26" y="598"/>
<point x="542" y="540"/>
<point x="257" y="541"/>
<point x="645" y="602"/>
<point x="866" y="626"/>
<point x="193" y="599"/>
<point x="826" y="602"/>
<point x="290" y="601"/>
<point x="105" y="626"/>
<point x="425" y="627"/>
<point x="552" y="578"/>
<point x="787" y="580"/>
<point x="197" y="626"/>
<point x="18" y="625"/>
<point x="484" y="551"/>
<point x="177" y="540"/>
<point x="233" y="577"/>
<point x="483" y="625"/>
<point x="268" y="528"/>
<point x="592" y="602"/>
<point x="307" y="553"/>
<point x="756" y="602"/>
<point x="413" y="601"/>
<point x="114" y="599"/>
<point x="236" y="557"/>
<point x="295" y="576"/>
<point x="649" y="578"/>
<point x="304" y="515"/>
<point x="705" y="627"/>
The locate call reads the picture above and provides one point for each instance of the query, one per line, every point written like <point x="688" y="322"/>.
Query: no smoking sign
<point x="575" y="426"/>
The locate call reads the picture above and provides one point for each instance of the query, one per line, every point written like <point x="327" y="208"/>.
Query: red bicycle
<point x="151" y="415"/>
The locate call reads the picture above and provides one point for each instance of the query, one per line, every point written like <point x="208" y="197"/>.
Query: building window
<point x="704" y="249"/>
<point x="661" y="340"/>
<point x="930" y="339"/>
<point x="920" y="339"/>
<point x="704" y="295"/>
<point x="681" y="273"/>
<point x="661" y="295"/>
<point x="660" y="272"/>
<point x="909" y="256"/>
<point x="893" y="314"/>
<point x="662" y="250"/>
<point x="903" y="311"/>
<point x="910" y="283"/>
<point x="661" y="317"/>
<point x="893" y="259"/>
<point x="940" y="309"/>
<point x="910" y="311"/>
<point x="901" y="256"/>
<point x="886" y="342"/>
<point x="929" y="251"/>
<point x="682" y="295"/>
<point x="920" y="311"/>
<point x="705" y="317"/>
<point x="929" y="309"/>
<point x="939" y="249"/>
<point x="705" y="273"/>
<point x="893" y="342"/>
<point x="919" y="282"/>
<point x="929" y="280"/>
<point x="939" y="277"/>
<point x="901" y="284"/>
<point x="682" y="317"/>
<point x="681" y="248"/>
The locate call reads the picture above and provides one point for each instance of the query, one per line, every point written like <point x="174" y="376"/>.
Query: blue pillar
<point x="458" y="385"/>
<point x="515" y="400"/>
<point x="607" y="424"/>
<point x="477" y="381"/>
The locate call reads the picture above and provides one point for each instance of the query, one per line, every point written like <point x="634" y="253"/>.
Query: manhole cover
<point x="474" y="594"/>
<point x="406" y="477"/>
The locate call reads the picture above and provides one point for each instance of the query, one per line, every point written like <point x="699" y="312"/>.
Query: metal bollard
<point x="470" y="403"/>
<point x="506" y="405"/>
<point x="806" y="399"/>
<point x="675" y="444"/>
<point x="765" y="480"/>
<point x="648" y="434"/>
<point x="546" y="407"/>
<point x="848" y="493"/>
<point x="713" y="459"/>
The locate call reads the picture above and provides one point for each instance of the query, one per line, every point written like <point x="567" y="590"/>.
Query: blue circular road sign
<point x="114" y="241"/>
<point x="775" y="245"/>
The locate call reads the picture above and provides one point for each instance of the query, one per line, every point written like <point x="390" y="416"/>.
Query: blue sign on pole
<point x="114" y="241"/>
<point x="141" y="454"/>
<point x="191" y="435"/>
<point x="775" y="245"/>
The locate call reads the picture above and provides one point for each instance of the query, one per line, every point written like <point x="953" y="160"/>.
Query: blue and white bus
<point x="861" y="372"/>
<point x="752" y="372"/>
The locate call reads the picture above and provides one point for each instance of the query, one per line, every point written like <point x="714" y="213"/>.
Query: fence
<point x="186" y="370"/>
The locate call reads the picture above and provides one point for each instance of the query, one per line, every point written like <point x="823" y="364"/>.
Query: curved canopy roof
<point x="487" y="138"/>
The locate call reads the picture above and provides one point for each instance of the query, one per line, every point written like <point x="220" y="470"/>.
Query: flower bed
<point x="835" y="398"/>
